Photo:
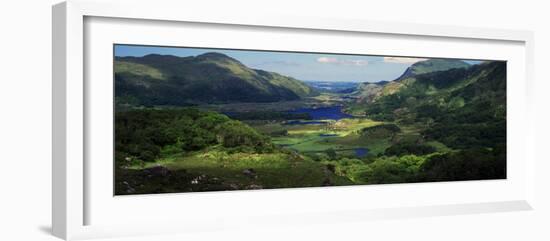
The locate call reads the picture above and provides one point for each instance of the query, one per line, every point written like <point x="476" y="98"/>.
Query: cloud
<point x="327" y="60"/>
<point x="351" y="62"/>
<point x="403" y="60"/>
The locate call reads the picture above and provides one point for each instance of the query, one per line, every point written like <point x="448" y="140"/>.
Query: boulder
<point x="249" y="173"/>
<point x="158" y="171"/>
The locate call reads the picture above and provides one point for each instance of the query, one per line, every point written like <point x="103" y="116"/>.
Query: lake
<point x="361" y="152"/>
<point x="323" y="113"/>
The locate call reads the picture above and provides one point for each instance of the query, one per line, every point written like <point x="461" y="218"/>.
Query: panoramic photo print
<point x="201" y="119"/>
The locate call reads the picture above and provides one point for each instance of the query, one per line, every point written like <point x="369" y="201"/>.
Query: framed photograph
<point x="208" y="122"/>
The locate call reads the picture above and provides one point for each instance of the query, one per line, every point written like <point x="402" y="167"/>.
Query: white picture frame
<point x="71" y="189"/>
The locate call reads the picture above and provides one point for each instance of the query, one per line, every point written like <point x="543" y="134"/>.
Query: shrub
<point x="380" y="131"/>
<point x="472" y="164"/>
<point x="234" y="133"/>
<point x="406" y="148"/>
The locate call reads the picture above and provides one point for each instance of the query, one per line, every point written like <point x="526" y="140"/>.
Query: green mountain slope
<point x="460" y="108"/>
<point x="208" y="78"/>
<point x="432" y="65"/>
<point x="369" y="92"/>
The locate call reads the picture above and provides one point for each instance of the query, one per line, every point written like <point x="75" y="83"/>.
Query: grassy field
<point x="138" y="69"/>
<point x="296" y="165"/>
<point x="302" y="155"/>
<point x="341" y="136"/>
<point x="251" y="170"/>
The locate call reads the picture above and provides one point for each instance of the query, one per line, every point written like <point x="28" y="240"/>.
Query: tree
<point x="331" y="153"/>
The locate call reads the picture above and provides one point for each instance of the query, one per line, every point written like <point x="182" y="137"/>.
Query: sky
<point x="302" y="66"/>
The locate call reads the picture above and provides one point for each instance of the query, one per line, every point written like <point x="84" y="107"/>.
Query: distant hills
<point x="333" y="86"/>
<point x="213" y="78"/>
<point x="208" y="78"/>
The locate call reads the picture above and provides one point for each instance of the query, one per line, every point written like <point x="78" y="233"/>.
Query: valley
<point x="210" y="123"/>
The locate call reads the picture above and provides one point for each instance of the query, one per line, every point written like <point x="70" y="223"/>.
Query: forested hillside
<point x="208" y="78"/>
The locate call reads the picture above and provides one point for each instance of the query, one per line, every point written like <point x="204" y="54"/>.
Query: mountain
<point x="432" y="65"/>
<point x="332" y="86"/>
<point x="460" y="107"/>
<point x="368" y="92"/>
<point x="208" y="78"/>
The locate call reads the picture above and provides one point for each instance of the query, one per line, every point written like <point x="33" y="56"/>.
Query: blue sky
<point x="302" y="66"/>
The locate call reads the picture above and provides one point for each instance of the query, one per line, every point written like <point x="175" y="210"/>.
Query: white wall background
<point x="25" y="120"/>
